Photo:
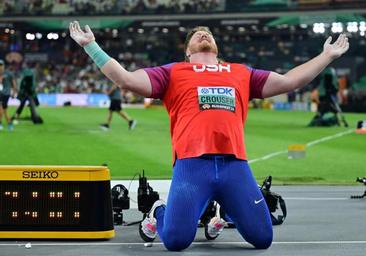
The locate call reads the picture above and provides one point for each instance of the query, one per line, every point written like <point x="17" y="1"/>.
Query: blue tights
<point x="197" y="181"/>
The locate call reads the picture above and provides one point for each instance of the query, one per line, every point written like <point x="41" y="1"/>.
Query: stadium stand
<point x="62" y="67"/>
<point x="117" y="7"/>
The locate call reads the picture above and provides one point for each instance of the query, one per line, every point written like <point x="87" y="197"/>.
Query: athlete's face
<point x="201" y="41"/>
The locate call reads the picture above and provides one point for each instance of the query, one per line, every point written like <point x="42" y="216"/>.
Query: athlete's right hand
<point x="81" y="37"/>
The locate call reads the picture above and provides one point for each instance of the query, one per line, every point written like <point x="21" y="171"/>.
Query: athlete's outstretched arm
<point x="137" y="81"/>
<point x="305" y="73"/>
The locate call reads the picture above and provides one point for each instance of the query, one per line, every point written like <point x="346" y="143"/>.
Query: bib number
<point x="216" y="98"/>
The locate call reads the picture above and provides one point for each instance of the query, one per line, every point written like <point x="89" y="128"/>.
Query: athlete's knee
<point x="177" y="240"/>
<point x="177" y="243"/>
<point x="262" y="240"/>
<point x="265" y="242"/>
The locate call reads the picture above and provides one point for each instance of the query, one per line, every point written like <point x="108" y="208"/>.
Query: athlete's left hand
<point x="80" y="36"/>
<point x="339" y="47"/>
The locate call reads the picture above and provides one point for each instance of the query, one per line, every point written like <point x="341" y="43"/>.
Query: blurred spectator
<point x="7" y="85"/>
<point x="96" y="7"/>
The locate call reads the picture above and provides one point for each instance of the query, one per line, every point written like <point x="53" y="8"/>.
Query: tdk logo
<point x="217" y="90"/>
<point x="40" y="175"/>
<point x="211" y="68"/>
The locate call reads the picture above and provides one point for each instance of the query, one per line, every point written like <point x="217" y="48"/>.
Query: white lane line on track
<point x="194" y="243"/>
<point x="337" y="135"/>
<point x="309" y="144"/>
<point x="318" y="198"/>
<point x="267" y="156"/>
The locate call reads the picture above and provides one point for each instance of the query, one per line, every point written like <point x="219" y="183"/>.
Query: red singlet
<point x="207" y="105"/>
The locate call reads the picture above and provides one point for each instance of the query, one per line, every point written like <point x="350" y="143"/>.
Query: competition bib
<point x="216" y="98"/>
<point x="1" y="87"/>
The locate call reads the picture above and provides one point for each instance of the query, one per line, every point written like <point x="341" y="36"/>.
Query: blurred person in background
<point x="207" y="102"/>
<point x="115" y="95"/>
<point x="27" y="93"/>
<point x="8" y="87"/>
<point x="325" y="95"/>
